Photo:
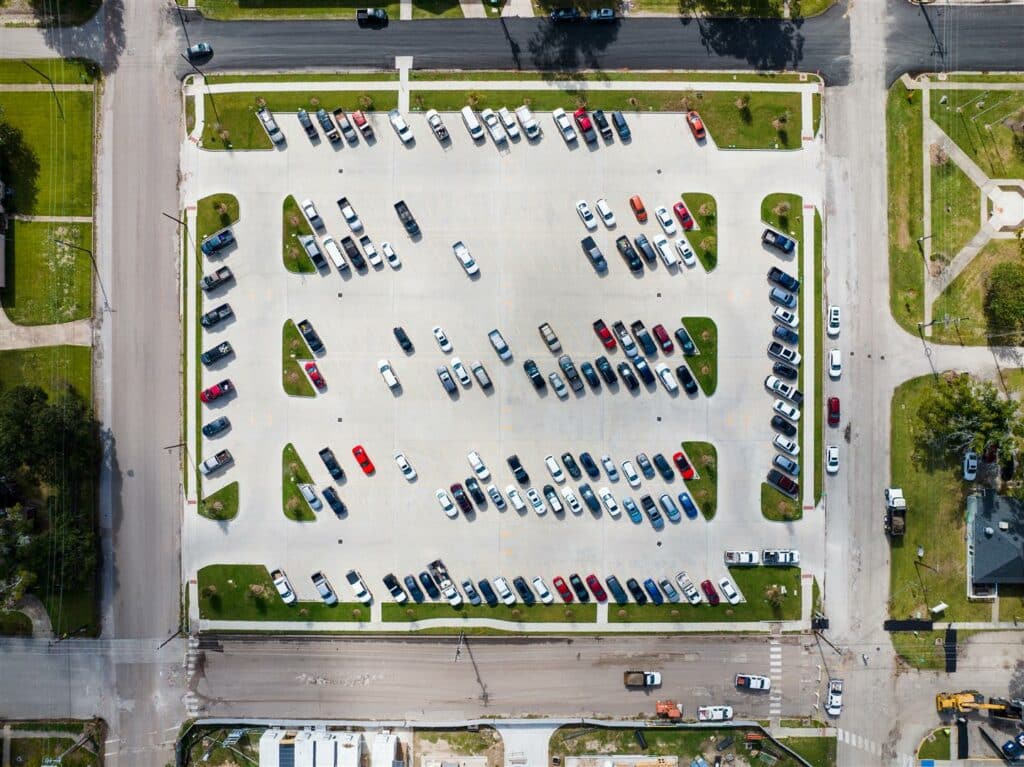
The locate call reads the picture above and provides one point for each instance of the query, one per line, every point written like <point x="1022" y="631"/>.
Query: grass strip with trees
<point x="518" y="613"/>
<point x="294" y="348"/>
<point x="221" y="505"/>
<point x="508" y="75"/>
<point x="903" y="127"/>
<point x="704" y="242"/>
<point x="819" y="356"/>
<point x="293" y="474"/>
<point x="237" y="10"/>
<point x="295" y="225"/>
<point x="704" y="489"/>
<point x="704" y="366"/>
<point x="246" y="593"/>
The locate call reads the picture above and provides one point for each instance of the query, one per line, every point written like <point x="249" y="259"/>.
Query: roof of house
<point x="310" y="748"/>
<point x="998" y="533"/>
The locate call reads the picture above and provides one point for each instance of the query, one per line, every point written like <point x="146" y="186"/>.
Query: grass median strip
<point x="819" y="357"/>
<point x="704" y="458"/>
<point x="705" y="242"/>
<point x="295" y="226"/>
<point x="294" y="348"/>
<point x="49" y="272"/>
<point x="437" y="9"/>
<point x="46" y="71"/>
<point x="903" y="126"/>
<point x="519" y="613"/>
<point x="293" y="474"/>
<point x="509" y="75"/>
<point x="235" y="10"/>
<point x="221" y="505"/>
<point x="246" y="593"/>
<point x="215" y="212"/>
<point x="704" y="366"/>
<point x="304" y="77"/>
<point x="778" y="507"/>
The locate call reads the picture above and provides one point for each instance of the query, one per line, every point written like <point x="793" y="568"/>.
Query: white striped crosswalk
<point x="775" y="674"/>
<point x="869" y="746"/>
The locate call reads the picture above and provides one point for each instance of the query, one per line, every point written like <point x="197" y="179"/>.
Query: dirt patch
<point x="454" y="746"/>
<point x="937" y="155"/>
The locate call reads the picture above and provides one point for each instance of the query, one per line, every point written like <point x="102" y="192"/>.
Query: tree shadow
<point x="102" y="39"/>
<point x="19" y="168"/>
<point x="64" y="12"/>
<point x="558" y="50"/>
<point x="765" y="43"/>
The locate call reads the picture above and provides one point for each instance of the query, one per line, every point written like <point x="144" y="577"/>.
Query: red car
<point x="217" y="391"/>
<point x="638" y="208"/>
<point x="663" y="339"/>
<point x="604" y="334"/>
<point x="562" y="589"/>
<point x="833" y="411"/>
<point x="363" y="460"/>
<point x="683" y="215"/>
<point x="696" y="125"/>
<point x="683" y="465"/>
<point x="709" y="591"/>
<point x="314" y="374"/>
<point x="597" y="588"/>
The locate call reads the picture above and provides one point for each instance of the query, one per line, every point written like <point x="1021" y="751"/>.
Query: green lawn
<point x="231" y="122"/>
<point x="48" y="282"/>
<point x="1011" y="603"/>
<point x="778" y="507"/>
<point x="294" y="348"/>
<point x="47" y="158"/>
<point x="246" y="593"/>
<point x="935" y="496"/>
<point x="784" y="212"/>
<point x="74" y="611"/>
<point x="51" y="367"/>
<point x="293" y="474"/>
<point x="935" y="745"/>
<point x="190" y="113"/>
<point x="465" y="742"/>
<point x="538" y="613"/>
<point x="704" y="365"/>
<point x="906" y="265"/>
<point x="215" y="212"/>
<point x="965" y="297"/>
<point x="816" y="111"/>
<point x="956" y="206"/>
<point x="921" y="650"/>
<point x="221" y="505"/>
<point x="978" y="121"/>
<point x="634" y="75"/>
<point x="821" y="752"/>
<point x="57" y="71"/>
<point x="13" y="623"/>
<point x="303" y="77"/>
<point x="751" y="582"/>
<point x="705" y="242"/>
<point x="30" y="752"/>
<point x="294" y="226"/>
<point x="436" y="9"/>
<point x="704" y="490"/>
<point x="286" y="9"/>
<point x="730" y="126"/>
<point x="819" y="355"/>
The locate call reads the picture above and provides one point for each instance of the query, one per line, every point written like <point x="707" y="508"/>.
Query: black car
<point x="336" y="504"/>
<point x="629" y="254"/>
<point x="780" y="424"/>
<point x="783" y="280"/>
<point x="645" y="465"/>
<point x="663" y="468"/>
<point x="487" y="592"/>
<point x="602" y="123"/>
<point x="618" y="594"/>
<point x="686" y="379"/>
<point x="782" y="370"/>
<point x="685" y="342"/>
<point x="414" y="589"/>
<point x="524" y="590"/>
<point x="571" y="466"/>
<point x="589" y="466"/>
<point x="393" y="586"/>
<point x="604" y="367"/>
<point x="307" y="125"/>
<point x="579" y="587"/>
<point x="216" y="316"/>
<point x="429" y="586"/>
<point x="407" y="219"/>
<point x="786" y="335"/>
<point x="589" y="498"/>
<point x="327" y="456"/>
<point x="534" y="373"/>
<point x="628" y="376"/>
<point x="352" y="251"/>
<point x="403" y="340"/>
<point x="216" y="426"/>
<point x="645" y="248"/>
<point x="461" y="498"/>
<point x="517" y="469"/>
<point x="638" y="593"/>
<point x="573" y="377"/>
<point x="474" y="490"/>
<point x="591" y="375"/>
<point x="620" y="125"/>
<point x="594" y="254"/>
<point x="643" y="338"/>
<point x="646" y="374"/>
<point x="651" y="510"/>
<point x="782" y="482"/>
<point x="565" y="14"/>
<point x="218" y="352"/>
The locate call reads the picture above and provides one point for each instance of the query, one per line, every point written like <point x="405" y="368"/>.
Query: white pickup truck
<point x="714" y="713"/>
<point x="284" y="587"/>
<point x="737" y="558"/>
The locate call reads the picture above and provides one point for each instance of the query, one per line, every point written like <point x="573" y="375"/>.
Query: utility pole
<point x="92" y="258"/>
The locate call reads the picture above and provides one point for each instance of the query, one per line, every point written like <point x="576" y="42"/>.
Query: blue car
<point x="589" y="466"/>
<point x="669" y="507"/>
<point x="216" y="426"/>
<point x="652" y="512"/>
<point x="631" y="508"/>
<point x="618" y="593"/>
<point x="653" y="591"/>
<point x="471" y="592"/>
<point x="489" y="596"/>
<point x="688" y="507"/>
<point x="414" y="589"/>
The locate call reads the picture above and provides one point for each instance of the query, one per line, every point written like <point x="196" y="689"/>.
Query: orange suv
<point x="638" y="208"/>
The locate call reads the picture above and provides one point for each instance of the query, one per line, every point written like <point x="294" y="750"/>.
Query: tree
<point x="960" y="413"/>
<point x="773" y="595"/>
<point x="1004" y="301"/>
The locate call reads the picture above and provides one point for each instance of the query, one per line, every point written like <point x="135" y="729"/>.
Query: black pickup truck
<point x="329" y="128"/>
<point x="215" y="280"/>
<point x="307" y="125"/>
<point x="407" y="219"/>
<point x="371" y="17"/>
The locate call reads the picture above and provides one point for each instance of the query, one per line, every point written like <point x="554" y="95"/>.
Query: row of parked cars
<point x="634" y="253"/>
<point x="335" y="126"/>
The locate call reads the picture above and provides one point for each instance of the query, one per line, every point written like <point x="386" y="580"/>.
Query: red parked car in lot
<point x="563" y="589"/>
<point x="683" y="215"/>
<point x="595" y="585"/>
<point x="363" y="460"/>
<point x="833" y="411"/>
<point x="604" y="334"/>
<point x="683" y="465"/>
<point x="314" y="375"/>
<point x="217" y="391"/>
<point x="696" y="125"/>
<point x="663" y="338"/>
<point x="709" y="591"/>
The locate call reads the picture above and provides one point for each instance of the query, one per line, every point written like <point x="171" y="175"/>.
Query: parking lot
<point x="515" y="210"/>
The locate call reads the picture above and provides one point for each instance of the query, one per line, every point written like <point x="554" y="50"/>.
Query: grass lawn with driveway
<point x="233" y="10"/>
<point x="979" y="122"/>
<point x="215" y="212"/>
<point x="903" y="127"/>
<point x="246" y="593"/>
<point x="293" y="474"/>
<point x="778" y="507"/>
<point x="956" y="206"/>
<point x="704" y="242"/>
<point x="704" y="489"/>
<point x="231" y="122"/>
<point x="51" y="367"/>
<point x="48" y="282"/>
<point x="965" y="297"/>
<point x="704" y="333"/>
<point x="294" y="226"/>
<point x="43" y="71"/>
<point x="922" y="649"/>
<point x="518" y="613"/>
<point x="221" y="505"/>
<point x="294" y="348"/>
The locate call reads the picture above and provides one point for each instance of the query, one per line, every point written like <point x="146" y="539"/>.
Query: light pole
<point x="92" y="258"/>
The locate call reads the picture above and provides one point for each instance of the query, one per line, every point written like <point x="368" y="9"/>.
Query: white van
<point x="334" y="253"/>
<point x="476" y="130"/>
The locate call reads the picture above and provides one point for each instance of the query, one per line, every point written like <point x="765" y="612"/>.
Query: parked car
<point x="359" y="452"/>
<point x="832" y="328"/>
<point x="618" y="593"/>
<point x="400" y="125"/>
<point x="696" y="125"/>
<point x="564" y="125"/>
<point x="833" y="412"/>
<point x="638" y="593"/>
<point x="323" y="588"/>
<point x="414" y="589"/>
<point x="970" y="466"/>
<point x="709" y="591"/>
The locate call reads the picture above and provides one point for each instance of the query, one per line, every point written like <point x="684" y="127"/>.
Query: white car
<point x="509" y="122"/>
<point x="504" y="592"/>
<point x="323" y="588"/>
<point x="667" y="379"/>
<point x="355" y="580"/>
<point x="564" y="125"/>
<point x="514" y="498"/>
<point x="334" y="253"/>
<point x="552" y="499"/>
<point x="542" y="590"/>
<point x="494" y="127"/>
<point x="388" y="374"/>
<point x="609" y="501"/>
<point x="785" y="317"/>
<point x="390" y="256"/>
<point x="665" y="251"/>
<point x="630" y="471"/>
<point x="786" y="445"/>
<point x="558" y="385"/>
<point x="371" y="252"/>
<point x="729" y="590"/>
<point x="309" y="493"/>
<point x="752" y="682"/>
<point x="835" y="363"/>
<point x="538" y="503"/>
<point x="530" y="126"/>
<point x="462" y="253"/>
<point x="970" y="466"/>
<point x="476" y="463"/>
<point x="832" y="459"/>
<point x="586" y="215"/>
<point x="685" y="252"/>
<point x="571" y="500"/>
<point x="688" y="588"/>
<point x="496" y="499"/>
<point x="284" y="586"/>
<point x="609" y="468"/>
<point x="605" y="212"/>
<point x="834" y="701"/>
<point x="404" y="466"/>
<point x="555" y="470"/>
<point x="461" y="373"/>
<point x="400" y="125"/>
<point x="442" y="339"/>
<point x="832" y="328"/>
<point x="447" y="504"/>
<point x="783" y="408"/>
<point x="714" y="713"/>
<point x="665" y="219"/>
<point x="309" y="211"/>
<point x="349" y="214"/>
